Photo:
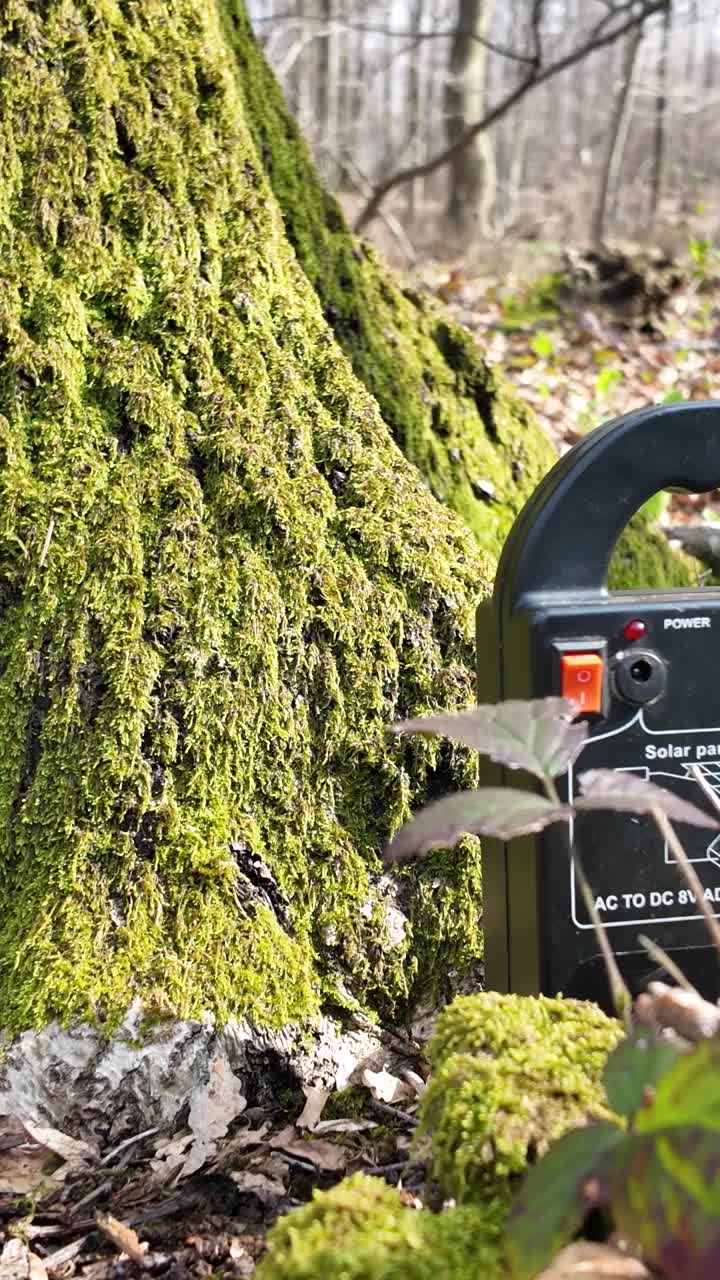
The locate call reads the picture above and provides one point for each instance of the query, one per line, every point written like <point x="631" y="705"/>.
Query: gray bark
<point x="617" y="134"/>
<point x="471" y="173"/>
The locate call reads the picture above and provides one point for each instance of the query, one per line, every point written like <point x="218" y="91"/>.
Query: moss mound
<point x="220" y="579"/>
<point x="360" y="1230"/>
<point x="510" y="1074"/>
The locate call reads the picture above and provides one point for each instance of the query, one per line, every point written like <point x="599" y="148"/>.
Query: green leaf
<point x="557" y="1195"/>
<point x="673" y="397"/>
<point x="687" y="1094"/>
<point x="627" y="793"/>
<point x="542" y="344"/>
<point x="635" y="1066"/>
<point x="535" y="736"/>
<point x="665" y="1194"/>
<point x="494" y="811"/>
<point x="607" y="379"/>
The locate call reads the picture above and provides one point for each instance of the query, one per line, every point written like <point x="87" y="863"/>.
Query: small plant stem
<point x="688" y="871"/>
<point x="704" y="785"/>
<point x="662" y="958"/>
<point x="621" y="997"/>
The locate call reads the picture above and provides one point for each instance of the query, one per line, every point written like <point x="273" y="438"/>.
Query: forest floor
<point x="591" y="343"/>
<point x="70" y="1210"/>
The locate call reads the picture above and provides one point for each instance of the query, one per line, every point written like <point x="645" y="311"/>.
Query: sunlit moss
<point x="360" y="1230"/>
<point x="220" y="579"/>
<point x="510" y="1074"/>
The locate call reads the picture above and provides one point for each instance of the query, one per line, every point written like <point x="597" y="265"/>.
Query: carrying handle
<point x="564" y="538"/>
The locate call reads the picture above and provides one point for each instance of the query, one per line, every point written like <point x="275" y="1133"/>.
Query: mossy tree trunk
<point x="221" y="578"/>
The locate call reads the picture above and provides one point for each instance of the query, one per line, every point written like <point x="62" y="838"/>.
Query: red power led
<point x="634" y="630"/>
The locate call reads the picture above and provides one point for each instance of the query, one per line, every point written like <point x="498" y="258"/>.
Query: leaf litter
<point x="200" y="1200"/>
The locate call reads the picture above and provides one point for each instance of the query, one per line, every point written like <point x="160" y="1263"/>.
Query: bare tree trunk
<point x="412" y="97"/>
<point x="472" y="178"/>
<point x="660" y="121"/>
<point x="616" y="137"/>
<point x="517" y="164"/>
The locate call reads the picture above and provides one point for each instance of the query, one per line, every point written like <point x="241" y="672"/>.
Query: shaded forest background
<point x="622" y="142"/>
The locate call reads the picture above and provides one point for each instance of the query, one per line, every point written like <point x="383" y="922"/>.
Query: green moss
<point x="644" y="559"/>
<point x="452" y="416"/>
<point x="348" y="1103"/>
<point x="510" y="1074"/>
<point x="360" y="1230"/>
<point x="220" y="580"/>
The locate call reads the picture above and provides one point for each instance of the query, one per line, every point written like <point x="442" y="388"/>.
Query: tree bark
<point x="471" y="173"/>
<point x="658" y="154"/>
<point x="220" y="578"/>
<point x="615" y="138"/>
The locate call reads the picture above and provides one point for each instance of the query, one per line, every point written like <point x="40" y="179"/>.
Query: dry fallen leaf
<point x="123" y="1237"/>
<point x="324" y="1155"/>
<point x="73" y="1150"/>
<point x="23" y="1169"/>
<point x="386" y="1087"/>
<point x="594" y="1262"/>
<point x="18" y="1263"/>
<point x="258" y="1184"/>
<point x="315" y="1100"/>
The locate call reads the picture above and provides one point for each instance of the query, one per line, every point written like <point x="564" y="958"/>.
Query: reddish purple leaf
<point x="536" y="736"/>
<point x="665" y="1196"/>
<point x="557" y="1195"/>
<point x="494" y="811"/>
<point x="627" y="793"/>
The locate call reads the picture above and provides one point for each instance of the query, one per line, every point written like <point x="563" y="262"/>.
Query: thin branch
<point x="705" y="787"/>
<point x="690" y="875"/>
<point x="394" y="34"/>
<point x="535" y="77"/>
<point x="666" y="962"/>
<point x="364" y="186"/>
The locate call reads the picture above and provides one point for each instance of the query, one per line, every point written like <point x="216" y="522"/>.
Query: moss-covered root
<point x="362" y="1231"/>
<point x="510" y="1074"/>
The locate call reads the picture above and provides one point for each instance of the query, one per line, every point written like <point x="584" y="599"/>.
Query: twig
<point x="60" y="1258"/>
<point x="688" y="871"/>
<point x="379" y="1170"/>
<point x="704" y="785"/>
<point x="667" y="963"/>
<point x="91" y="1195"/>
<point x="621" y="997"/>
<point x="366" y="29"/>
<point x="387" y="1110"/>
<point x="128" y="1142"/>
<point x="364" y="186"/>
